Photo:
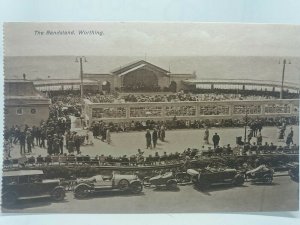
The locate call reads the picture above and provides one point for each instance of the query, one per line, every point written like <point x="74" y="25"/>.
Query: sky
<point x="153" y="39"/>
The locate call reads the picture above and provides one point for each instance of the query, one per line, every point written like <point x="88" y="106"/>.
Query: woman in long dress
<point x="108" y="137"/>
<point x="206" y="136"/>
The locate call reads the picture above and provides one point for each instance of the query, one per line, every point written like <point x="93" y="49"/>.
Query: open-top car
<point x="204" y="178"/>
<point x="101" y="183"/>
<point x="162" y="180"/>
<point x="24" y="184"/>
<point x="261" y="174"/>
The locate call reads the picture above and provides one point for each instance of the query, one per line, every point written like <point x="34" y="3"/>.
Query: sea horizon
<point x="205" y="67"/>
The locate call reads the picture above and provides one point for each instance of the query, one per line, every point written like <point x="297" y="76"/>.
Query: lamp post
<point x="79" y="59"/>
<point x="284" y="62"/>
<point x="246" y="124"/>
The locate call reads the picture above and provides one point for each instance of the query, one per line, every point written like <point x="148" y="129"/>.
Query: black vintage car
<point x="162" y="180"/>
<point x="294" y="171"/>
<point x="261" y="174"/>
<point x="205" y="178"/>
<point x="24" y="184"/>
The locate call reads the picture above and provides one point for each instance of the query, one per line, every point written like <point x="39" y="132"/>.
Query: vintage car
<point x="101" y="183"/>
<point x="261" y="174"/>
<point x="24" y="184"/>
<point x="162" y="180"/>
<point x="204" y="178"/>
<point x="294" y="171"/>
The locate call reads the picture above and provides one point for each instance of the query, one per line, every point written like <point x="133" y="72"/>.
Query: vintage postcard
<point x="150" y="117"/>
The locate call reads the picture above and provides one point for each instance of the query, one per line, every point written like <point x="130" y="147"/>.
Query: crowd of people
<point x="140" y="159"/>
<point x="176" y="123"/>
<point x="100" y="97"/>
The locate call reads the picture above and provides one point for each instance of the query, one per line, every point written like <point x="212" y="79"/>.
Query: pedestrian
<point x="22" y="139"/>
<point x="291" y="134"/>
<point x="206" y="136"/>
<point x="56" y="146"/>
<point x="29" y="142"/>
<point x="95" y="131"/>
<point x="289" y="139"/>
<point x="103" y="133"/>
<point x="108" y="136"/>
<point x="154" y="137"/>
<point x="216" y="140"/>
<point x="148" y="139"/>
<point x="50" y="145"/>
<point x="38" y="136"/>
<point x="71" y="143"/>
<point x="43" y="138"/>
<point x="61" y="144"/>
<point x="259" y="139"/>
<point x="77" y="143"/>
<point x="162" y="133"/>
<point x="7" y="149"/>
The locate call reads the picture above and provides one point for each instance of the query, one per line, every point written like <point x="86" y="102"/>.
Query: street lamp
<point x="282" y="79"/>
<point x="79" y="59"/>
<point x="246" y="124"/>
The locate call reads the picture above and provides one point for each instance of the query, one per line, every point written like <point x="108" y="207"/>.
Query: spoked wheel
<point x="9" y="199"/>
<point x="81" y="192"/>
<point x="136" y="187"/>
<point x="183" y="178"/>
<point x="123" y="185"/>
<point x="58" y="194"/>
<point x="172" y="185"/>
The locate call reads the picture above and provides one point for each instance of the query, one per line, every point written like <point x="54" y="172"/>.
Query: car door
<point x="32" y="186"/>
<point x="25" y="188"/>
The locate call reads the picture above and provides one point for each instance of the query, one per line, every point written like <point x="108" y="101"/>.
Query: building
<point x="140" y="76"/>
<point x="24" y="104"/>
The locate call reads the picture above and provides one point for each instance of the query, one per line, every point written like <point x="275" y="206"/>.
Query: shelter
<point x="24" y="104"/>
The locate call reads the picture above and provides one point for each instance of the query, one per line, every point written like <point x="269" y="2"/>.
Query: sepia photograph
<point x="140" y="117"/>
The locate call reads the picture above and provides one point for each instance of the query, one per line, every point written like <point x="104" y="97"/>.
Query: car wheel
<point x="239" y="180"/>
<point x="136" y="187"/>
<point x="268" y="179"/>
<point x="81" y="191"/>
<point x="58" y="194"/>
<point x="171" y="185"/>
<point x="9" y="199"/>
<point x="123" y="185"/>
<point x="183" y="178"/>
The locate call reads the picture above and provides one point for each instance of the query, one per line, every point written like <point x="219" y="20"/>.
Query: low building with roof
<point x="140" y="76"/>
<point x="24" y="104"/>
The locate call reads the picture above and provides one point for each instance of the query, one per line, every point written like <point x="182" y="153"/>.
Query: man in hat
<point x="154" y="137"/>
<point x="148" y="139"/>
<point x="77" y="142"/>
<point x="216" y="140"/>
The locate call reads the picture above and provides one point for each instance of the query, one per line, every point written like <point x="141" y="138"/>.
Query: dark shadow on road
<point x="33" y="203"/>
<point x="110" y="194"/>
<point x="165" y="189"/>
<point x="264" y="184"/>
<point x="214" y="188"/>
